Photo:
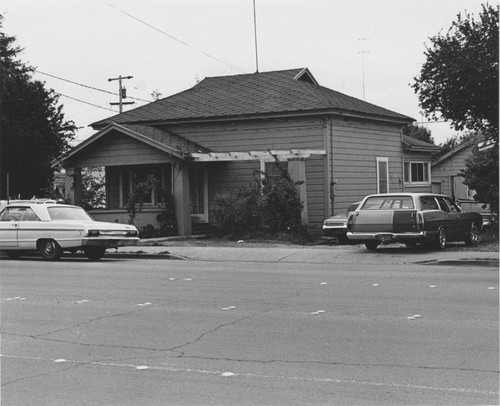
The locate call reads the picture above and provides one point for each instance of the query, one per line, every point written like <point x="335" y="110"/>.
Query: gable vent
<point x="305" y="76"/>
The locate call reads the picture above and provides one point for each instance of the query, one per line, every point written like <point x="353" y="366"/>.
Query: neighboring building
<point x="447" y="178"/>
<point x="417" y="164"/>
<point x="219" y="134"/>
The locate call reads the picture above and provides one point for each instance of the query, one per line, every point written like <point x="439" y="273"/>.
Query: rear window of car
<point x="68" y="213"/>
<point x="352" y="207"/>
<point x="388" y="203"/>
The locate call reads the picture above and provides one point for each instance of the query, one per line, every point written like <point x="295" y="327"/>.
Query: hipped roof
<point x="293" y="91"/>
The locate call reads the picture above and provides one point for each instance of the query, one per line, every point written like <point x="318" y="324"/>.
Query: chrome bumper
<point x="387" y="237"/>
<point x="109" y="242"/>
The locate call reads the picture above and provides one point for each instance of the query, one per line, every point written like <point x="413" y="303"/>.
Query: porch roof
<point x="160" y="139"/>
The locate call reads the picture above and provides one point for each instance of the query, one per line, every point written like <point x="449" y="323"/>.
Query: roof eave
<point x="255" y="116"/>
<point x="417" y="148"/>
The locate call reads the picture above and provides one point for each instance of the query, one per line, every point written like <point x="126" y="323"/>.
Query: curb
<point x="125" y="255"/>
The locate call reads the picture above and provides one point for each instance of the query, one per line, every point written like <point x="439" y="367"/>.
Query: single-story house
<point x="447" y="178"/>
<point x="217" y="135"/>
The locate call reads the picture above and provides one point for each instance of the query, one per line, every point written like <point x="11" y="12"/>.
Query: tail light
<point x="350" y="222"/>
<point x="420" y="222"/>
<point x="93" y="233"/>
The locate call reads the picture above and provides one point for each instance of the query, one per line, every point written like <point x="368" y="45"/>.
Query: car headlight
<point x="132" y="233"/>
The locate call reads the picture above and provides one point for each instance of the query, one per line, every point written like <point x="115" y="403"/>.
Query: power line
<point x="176" y="39"/>
<point x="87" y="86"/>
<point x="82" y="101"/>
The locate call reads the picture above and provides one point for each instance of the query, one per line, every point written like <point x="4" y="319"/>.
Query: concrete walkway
<point x="397" y="254"/>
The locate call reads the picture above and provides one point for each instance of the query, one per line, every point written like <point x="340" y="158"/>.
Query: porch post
<point x="297" y="171"/>
<point x="73" y="186"/>
<point x="182" y="199"/>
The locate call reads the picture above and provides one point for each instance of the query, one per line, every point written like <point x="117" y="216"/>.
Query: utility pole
<point x="122" y="92"/>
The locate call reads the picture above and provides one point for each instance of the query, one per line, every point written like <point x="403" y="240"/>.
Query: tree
<point x="454" y="142"/>
<point x="32" y="127"/>
<point x="459" y="80"/>
<point x="481" y="174"/>
<point x="93" y="190"/>
<point x="418" y="132"/>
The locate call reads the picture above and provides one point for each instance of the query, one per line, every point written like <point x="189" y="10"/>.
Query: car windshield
<point x="68" y="213"/>
<point x="388" y="203"/>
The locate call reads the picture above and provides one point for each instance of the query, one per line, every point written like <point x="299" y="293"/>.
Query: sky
<point x="369" y="49"/>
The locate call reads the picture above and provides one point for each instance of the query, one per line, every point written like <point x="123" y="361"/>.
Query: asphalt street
<point x="291" y="329"/>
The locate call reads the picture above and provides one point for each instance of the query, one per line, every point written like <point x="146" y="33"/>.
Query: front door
<point x="198" y="195"/>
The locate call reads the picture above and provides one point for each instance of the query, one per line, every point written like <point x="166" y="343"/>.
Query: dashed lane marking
<point x="353" y="382"/>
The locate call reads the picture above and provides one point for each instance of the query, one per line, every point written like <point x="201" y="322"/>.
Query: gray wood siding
<point x="450" y="167"/>
<point x="355" y="149"/>
<point x="246" y="136"/>
<point x="115" y="149"/>
<point x="264" y="135"/>
<point x="315" y="182"/>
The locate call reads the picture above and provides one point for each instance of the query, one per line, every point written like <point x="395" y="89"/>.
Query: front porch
<point x="132" y="156"/>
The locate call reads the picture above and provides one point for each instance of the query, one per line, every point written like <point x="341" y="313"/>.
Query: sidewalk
<point x="389" y="254"/>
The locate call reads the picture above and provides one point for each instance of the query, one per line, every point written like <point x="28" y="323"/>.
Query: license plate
<point x="384" y="237"/>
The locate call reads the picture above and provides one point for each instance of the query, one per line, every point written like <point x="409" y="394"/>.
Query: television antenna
<point x="363" y="53"/>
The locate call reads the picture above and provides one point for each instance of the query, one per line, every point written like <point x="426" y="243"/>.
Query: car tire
<point x="472" y="237"/>
<point x="94" y="253"/>
<point x="442" y="239"/>
<point x="371" y="245"/>
<point x="50" y="250"/>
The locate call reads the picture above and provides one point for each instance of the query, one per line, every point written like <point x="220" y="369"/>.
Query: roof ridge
<point x="298" y="70"/>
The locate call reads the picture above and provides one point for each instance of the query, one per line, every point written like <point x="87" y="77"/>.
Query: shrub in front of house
<point x="237" y="212"/>
<point x="281" y="208"/>
<point x="271" y="206"/>
<point x="167" y="220"/>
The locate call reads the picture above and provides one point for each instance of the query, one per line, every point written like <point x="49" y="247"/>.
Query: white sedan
<point x="54" y="228"/>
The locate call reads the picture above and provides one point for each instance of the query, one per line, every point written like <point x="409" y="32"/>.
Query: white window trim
<point x="423" y="183"/>
<point x="386" y="160"/>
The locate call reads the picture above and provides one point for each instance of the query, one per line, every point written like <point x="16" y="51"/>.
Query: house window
<point x="416" y="172"/>
<point x="382" y="175"/>
<point x="132" y="176"/>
